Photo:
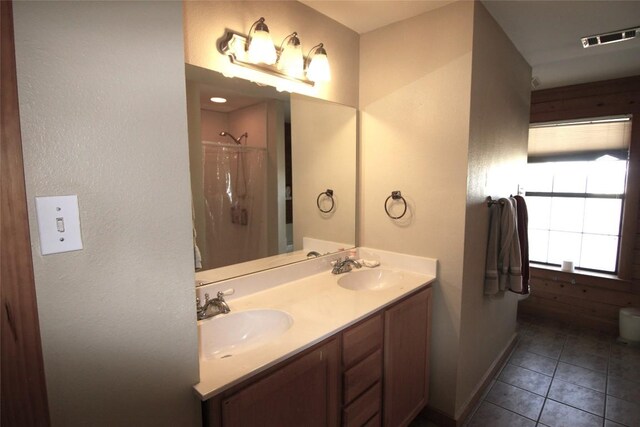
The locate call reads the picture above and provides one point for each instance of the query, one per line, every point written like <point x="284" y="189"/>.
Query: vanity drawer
<point x="361" y="340"/>
<point x="364" y="408"/>
<point x="362" y="376"/>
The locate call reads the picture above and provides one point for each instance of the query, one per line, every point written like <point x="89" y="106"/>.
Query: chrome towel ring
<point x="329" y="194"/>
<point x="395" y="195"/>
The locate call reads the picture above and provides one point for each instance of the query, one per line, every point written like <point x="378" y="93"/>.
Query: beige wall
<point x="102" y="105"/>
<point x="211" y="124"/>
<point x="206" y="22"/>
<point x="253" y="120"/>
<point x="415" y="129"/>
<point x="323" y="150"/>
<point x="500" y="89"/>
<point x="447" y="130"/>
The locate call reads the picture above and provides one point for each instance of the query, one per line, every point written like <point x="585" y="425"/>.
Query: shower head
<point x="236" y="140"/>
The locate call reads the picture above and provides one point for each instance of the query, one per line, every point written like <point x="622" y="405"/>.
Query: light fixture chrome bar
<point x="234" y="46"/>
<point x="612" y="37"/>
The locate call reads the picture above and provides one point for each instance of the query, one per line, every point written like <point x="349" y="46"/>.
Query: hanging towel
<point x="491" y="270"/>
<point x="523" y="236"/>
<point x="509" y="259"/>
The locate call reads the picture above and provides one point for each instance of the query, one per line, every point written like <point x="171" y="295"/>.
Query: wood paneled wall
<point x="586" y="300"/>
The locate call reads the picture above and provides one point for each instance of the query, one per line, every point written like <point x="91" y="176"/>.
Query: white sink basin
<point x="229" y="334"/>
<point x="371" y="280"/>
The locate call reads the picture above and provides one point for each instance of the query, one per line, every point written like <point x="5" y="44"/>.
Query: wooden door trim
<point x="24" y="394"/>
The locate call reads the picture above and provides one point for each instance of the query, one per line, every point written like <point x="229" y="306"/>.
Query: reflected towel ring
<point x="329" y="194"/>
<point x="395" y="195"/>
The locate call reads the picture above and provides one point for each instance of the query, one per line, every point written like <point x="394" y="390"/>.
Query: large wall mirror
<point x="273" y="175"/>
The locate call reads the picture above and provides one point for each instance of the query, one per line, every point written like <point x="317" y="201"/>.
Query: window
<point x="574" y="197"/>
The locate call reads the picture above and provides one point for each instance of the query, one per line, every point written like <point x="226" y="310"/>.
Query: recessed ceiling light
<point x="218" y="100"/>
<point x="612" y="37"/>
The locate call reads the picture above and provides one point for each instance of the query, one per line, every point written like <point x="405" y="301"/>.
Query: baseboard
<point x="490" y="375"/>
<point x="442" y="419"/>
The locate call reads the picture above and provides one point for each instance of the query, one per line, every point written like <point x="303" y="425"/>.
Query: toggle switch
<point x="58" y="224"/>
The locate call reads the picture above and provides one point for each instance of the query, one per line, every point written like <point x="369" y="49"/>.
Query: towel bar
<point x="329" y="195"/>
<point x="395" y="195"/>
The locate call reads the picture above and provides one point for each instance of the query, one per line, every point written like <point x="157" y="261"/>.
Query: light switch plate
<point x="58" y="224"/>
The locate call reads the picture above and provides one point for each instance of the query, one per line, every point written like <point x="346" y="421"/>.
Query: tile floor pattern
<point x="558" y="376"/>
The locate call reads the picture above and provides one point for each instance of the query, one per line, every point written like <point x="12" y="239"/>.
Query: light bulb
<point x="291" y="60"/>
<point x="319" y="70"/>
<point x="261" y="48"/>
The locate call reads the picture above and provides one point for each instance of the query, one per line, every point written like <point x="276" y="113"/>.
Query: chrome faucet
<point x="313" y="254"/>
<point x="213" y="307"/>
<point x="344" y="266"/>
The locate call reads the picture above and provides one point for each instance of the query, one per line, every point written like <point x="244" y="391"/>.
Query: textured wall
<point x="212" y="123"/>
<point x="500" y="87"/>
<point x="415" y="101"/>
<point x="103" y="115"/>
<point x="447" y="130"/>
<point x="323" y="146"/>
<point x="207" y="21"/>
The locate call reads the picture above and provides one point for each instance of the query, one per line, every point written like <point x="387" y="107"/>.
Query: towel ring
<point x="329" y="194"/>
<point x="395" y="195"/>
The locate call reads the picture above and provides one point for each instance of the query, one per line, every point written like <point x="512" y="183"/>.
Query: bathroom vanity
<point x="350" y="357"/>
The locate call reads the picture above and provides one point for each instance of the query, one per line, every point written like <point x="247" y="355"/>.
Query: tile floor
<point x="559" y="375"/>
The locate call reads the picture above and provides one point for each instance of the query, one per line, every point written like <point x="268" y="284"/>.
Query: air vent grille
<point x="613" y="37"/>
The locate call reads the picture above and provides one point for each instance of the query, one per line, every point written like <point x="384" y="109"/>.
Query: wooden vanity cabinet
<point x="386" y="365"/>
<point x="406" y="358"/>
<point x="373" y="373"/>
<point x="303" y="392"/>
<point x="362" y="371"/>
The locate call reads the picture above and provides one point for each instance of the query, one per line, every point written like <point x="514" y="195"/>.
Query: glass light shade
<point x="291" y="59"/>
<point x="261" y="48"/>
<point x="319" y="70"/>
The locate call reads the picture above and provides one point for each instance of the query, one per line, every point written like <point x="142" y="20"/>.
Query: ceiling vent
<point x="613" y="37"/>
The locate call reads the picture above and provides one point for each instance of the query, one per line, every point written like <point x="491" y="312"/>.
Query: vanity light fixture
<point x="286" y="62"/>
<point x="260" y="48"/>
<point x="291" y="60"/>
<point x="218" y="100"/>
<point x="318" y="65"/>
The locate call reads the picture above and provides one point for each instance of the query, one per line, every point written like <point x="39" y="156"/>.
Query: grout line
<point x="527" y="369"/>
<point x="512" y="411"/>
<point x="519" y="388"/>
<point x="574" y="407"/>
<point x="546" y="396"/>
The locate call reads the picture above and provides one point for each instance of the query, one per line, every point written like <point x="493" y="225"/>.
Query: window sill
<point x="576" y="272"/>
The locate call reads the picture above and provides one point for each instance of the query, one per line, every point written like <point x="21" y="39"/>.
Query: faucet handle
<point x="222" y="294"/>
<point x="336" y="261"/>
<point x="206" y="300"/>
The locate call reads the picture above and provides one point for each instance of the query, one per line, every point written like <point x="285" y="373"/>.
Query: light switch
<point x="58" y="224"/>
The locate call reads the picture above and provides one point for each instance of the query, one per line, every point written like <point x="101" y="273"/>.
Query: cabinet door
<point x="302" y="393"/>
<point x="406" y="359"/>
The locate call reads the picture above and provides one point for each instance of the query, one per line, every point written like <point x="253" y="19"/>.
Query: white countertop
<point x="319" y="307"/>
